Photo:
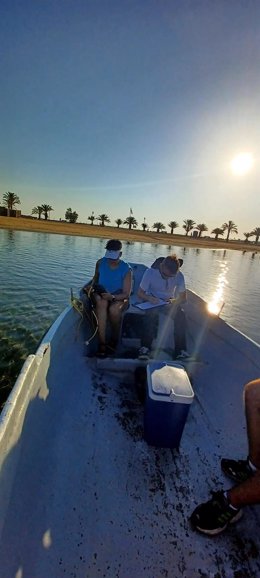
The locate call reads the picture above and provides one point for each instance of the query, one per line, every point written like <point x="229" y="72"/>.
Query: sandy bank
<point x="84" y="230"/>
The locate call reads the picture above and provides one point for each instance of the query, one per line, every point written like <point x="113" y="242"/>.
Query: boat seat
<point x="138" y="271"/>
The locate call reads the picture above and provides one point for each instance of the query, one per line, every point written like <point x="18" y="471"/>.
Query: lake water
<point x="38" y="269"/>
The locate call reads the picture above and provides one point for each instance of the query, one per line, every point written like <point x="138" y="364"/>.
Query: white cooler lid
<point x="170" y="380"/>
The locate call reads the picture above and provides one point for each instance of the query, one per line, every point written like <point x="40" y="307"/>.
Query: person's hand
<point x="154" y="300"/>
<point x="107" y="296"/>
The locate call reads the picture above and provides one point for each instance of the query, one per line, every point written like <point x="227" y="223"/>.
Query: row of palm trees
<point x="11" y="199"/>
<point x="189" y="225"/>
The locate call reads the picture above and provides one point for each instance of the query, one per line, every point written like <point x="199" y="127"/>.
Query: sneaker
<point x="214" y="516"/>
<point x="144" y="353"/>
<point x="183" y="355"/>
<point x="237" y="470"/>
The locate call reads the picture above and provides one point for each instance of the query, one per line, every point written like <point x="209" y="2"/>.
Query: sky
<point x="108" y="105"/>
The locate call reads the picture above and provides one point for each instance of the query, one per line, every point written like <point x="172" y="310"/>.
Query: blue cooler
<point x="168" y="399"/>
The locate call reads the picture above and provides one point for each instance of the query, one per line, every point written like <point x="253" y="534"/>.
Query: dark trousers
<point x="150" y="325"/>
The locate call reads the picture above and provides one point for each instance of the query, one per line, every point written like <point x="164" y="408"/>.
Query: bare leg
<point x="249" y="491"/>
<point x="115" y="314"/>
<point x="246" y="493"/>
<point x="252" y="409"/>
<point x="101" y="311"/>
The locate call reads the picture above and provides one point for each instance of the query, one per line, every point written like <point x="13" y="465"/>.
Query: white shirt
<point x="154" y="284"/>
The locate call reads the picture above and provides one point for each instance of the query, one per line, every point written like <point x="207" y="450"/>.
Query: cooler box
<point x="168" y="399"/>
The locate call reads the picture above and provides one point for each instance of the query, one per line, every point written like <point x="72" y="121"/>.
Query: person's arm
<point x="180" y="299"/>
<point x="146" y="297"/>
<point x="143" y="289"/>
<point x="88" y="287"/>
<point x="127" y="286"/>
<point x="181" y="294"/>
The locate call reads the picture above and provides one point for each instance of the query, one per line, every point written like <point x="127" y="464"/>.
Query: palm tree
<point x="118" y="222"/>
<point x="173" y="225"/>
<point x="131" y="222"/>
<point x="202" y="228"/>
<point x="217" y="232"/>
<point x="230" y="227"/>
<point x="10" y="200"/>
<point x="144" y="225"/>
<point x="46" y="209"/>
<point x="158" y="226"/>
<point x="103" y="218"/>
<point x="71" y="216"/>
<point x="188" y="225"/>
<point x="37" y="211"/>
<point x="92" y="218"/>
<point x="247" y="235"/>
<point x="256" y="232"/>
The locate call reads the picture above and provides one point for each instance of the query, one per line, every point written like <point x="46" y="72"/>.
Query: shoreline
<point x="133" y="235"/>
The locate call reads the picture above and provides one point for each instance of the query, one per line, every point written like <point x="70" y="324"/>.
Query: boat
<point x="82" y="493"/>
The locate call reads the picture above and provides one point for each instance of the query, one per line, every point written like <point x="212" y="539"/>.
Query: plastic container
<point x="168" y="399"/>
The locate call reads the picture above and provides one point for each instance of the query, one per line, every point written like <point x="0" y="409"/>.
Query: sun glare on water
<point x="216" y="304"/>
<point x="242" y="164"/>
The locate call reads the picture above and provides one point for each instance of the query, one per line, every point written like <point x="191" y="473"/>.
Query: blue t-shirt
<point x="112" y="279"/>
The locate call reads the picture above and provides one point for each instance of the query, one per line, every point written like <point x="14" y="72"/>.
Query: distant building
<point x="4" y="212"/>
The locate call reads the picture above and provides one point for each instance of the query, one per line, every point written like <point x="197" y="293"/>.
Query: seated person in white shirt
<point x="164" y="281"/>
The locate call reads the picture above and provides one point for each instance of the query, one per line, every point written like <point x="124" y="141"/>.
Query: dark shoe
<point x="237" y="470"/>
<point x="102" y="351"/>
<point x="144" y="353"/>
<point x="214" y="516"/>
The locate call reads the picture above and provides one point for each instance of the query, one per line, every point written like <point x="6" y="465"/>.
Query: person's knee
<point x="115" y="313"/>
<point x="101" y="305"/>
<point x="252" y="393"/>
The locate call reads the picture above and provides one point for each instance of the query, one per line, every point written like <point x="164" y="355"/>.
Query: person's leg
<point x="175" y="315"/>
<point x="148" y="323"/>
<point x="245" y="494"/>
<point x="180" y="331"/>
<point x="115" y="315"/>
<point x="224" y="508"/>
<point x="241" y="470"/>
<point x="252" y="410"/>
<point x="101" y="312"/>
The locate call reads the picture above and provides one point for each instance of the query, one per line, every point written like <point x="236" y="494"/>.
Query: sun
<point x="242" y="164"/>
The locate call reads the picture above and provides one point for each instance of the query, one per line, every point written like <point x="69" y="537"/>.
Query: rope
<point x="78" y="305"/>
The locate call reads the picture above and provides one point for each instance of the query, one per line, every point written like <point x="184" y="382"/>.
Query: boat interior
<point x="83" y="495"/>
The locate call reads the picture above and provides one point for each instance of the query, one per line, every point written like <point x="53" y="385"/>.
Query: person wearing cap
<point x="164" y="282"/>
<point x="110" y="289"/>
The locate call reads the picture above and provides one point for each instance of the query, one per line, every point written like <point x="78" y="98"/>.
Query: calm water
<point x="37" y="271"/>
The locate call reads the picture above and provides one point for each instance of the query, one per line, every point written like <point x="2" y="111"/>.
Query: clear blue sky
<point x="112" y="104"/>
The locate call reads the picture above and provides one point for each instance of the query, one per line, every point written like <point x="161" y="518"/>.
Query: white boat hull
<point x="82" y="494"/>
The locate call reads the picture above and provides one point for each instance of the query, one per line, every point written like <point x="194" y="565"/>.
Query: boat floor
<point x="91" y="499"/>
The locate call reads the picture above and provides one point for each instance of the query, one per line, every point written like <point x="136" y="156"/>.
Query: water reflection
<point x="216" y="304"/>
<point x="45" y="266"/>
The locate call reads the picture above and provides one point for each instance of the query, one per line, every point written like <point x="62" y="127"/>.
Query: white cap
<point x="112" y="254"/>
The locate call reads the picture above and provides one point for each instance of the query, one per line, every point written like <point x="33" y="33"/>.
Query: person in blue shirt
<point x="110" y="289"/>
